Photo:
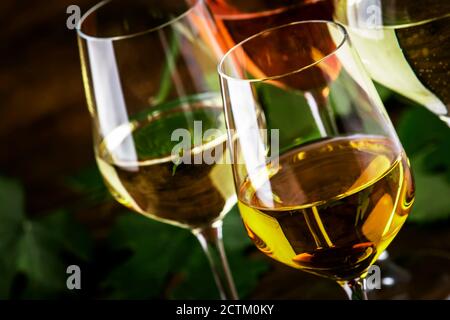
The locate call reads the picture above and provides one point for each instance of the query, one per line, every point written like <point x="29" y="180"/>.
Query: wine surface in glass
<point x="137" y="165"/>
<point x="330" y="207"/>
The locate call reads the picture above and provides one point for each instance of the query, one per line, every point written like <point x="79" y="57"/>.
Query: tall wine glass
<point x="322" y="180"/>
<point x="404" y="45"/>
<point x="159" y="131"/>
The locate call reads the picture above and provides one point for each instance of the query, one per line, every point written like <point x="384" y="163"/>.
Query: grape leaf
<point x="155" y="138"/>
<point x="167" y="261"/>
<point x="89" y="183"/>
<point x="426" y="140"/>
<point x="156" y="248"/>
<point x="11" y="216"/>
<point x="383" y="92"/>
<point x="246" y="270"/>
<point x="420" y="129"/>
<point x="288" y="112"/>
<point x="34" y="248"/>
<point x="432" y="201"/>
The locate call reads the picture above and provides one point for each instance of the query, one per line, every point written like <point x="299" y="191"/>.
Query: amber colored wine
<point x="138" y="168"/>
<point x="237" y="20"/>
<point x="330" y="207"/>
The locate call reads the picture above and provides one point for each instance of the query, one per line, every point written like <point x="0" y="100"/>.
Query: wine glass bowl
<point x="149" y="71"/>
<point x="331" y="186"/>
<point x="237" y="20"/>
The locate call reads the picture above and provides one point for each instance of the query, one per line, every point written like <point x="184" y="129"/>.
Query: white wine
<point x="330" y="207"/>
<point x="409" y="57"/>
<point x="138" y="168"/>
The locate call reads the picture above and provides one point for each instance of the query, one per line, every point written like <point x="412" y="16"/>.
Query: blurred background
<point x="55" y="211"/>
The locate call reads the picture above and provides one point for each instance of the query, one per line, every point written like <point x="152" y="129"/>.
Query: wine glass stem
<point x="355" y="289"/>
<point x="210" y="239"/>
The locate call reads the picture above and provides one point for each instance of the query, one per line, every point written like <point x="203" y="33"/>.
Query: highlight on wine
<point x="337" y="223"/>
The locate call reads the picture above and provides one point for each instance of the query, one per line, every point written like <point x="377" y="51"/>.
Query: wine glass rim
<point x="223" y="74"/>
<point x="131" y="35"/>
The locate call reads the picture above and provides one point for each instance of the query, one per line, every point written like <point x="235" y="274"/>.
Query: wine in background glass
<point x="151" y="84"/>
<point x="237" y="20"/>
<point x="335" y="188"/>
<point x="404" y="45"/>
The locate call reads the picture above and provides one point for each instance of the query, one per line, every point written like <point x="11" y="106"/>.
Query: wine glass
<point x="404" y="45"/>
<point x="149" y="73"/>
<point x="237" y="20"/>
<point x="323" y="183"/>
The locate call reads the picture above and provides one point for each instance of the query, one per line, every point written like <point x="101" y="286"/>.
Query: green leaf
<point x="11" y="217"/>
<point x="169" y="261"/>
<point x="439" y="159"/>
<point x="168" y="71"/>
<point x="35" y="248"/>
<point x="419" y="128"/>
<point x="156" y="249"/>
<point x="246" y="270"/>
<point x="340" y="100"/>
<point x="11" y="203"/>
<point x="89" y="183"/>
<point x="432" y="201"/>
<point x="67" y="234"/>
<point x="154" y="139"/>
<point x="426" y="140"/>
<point x="37" y="259"/>
<point x="384" y="92"/>
<point x="289" y="112"/>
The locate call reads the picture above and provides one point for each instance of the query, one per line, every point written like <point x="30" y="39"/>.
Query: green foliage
<point x="383" y="92"/>
<point x="154" y="136"/>
<point x="426" y="140"/>
<point x="289" y="112"/>
<point x="165" y="261"/>
<point x="169" y="70"/>
<point x="161" y="261"/>
<point x="197" y="281"/>
<point x="154" y="247"/>
<point x="89" y="183"/>
<point x="168" y="262"/>
<point x="33" y="248"/>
